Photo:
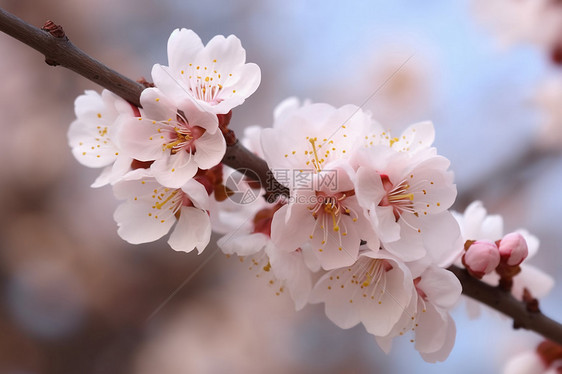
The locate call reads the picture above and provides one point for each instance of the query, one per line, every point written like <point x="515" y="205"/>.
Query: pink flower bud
<point x="481" y="258"/>
<point x="513" y="249"/>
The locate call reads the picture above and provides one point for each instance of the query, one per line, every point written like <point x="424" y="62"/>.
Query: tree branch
<point x="238" y="157"/>
<point x="504" y="302"/>
<point x="58" y="50"/>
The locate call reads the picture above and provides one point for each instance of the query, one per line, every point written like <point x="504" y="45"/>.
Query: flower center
<point x="316" y="161"/>
<point x="205" y="83"/>
<point x="182" y="140"/>
<point x="328" y="211"/>
<point x="167" y="203"/>
<point x="374" y="271"/>
<point x="330" y="208"/>
<point x="180" y="135"/>
<point x="400" y="197"/>
<point x="369" y="275"/>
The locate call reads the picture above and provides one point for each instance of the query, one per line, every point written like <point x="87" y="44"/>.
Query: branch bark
<point x="58" y="50"/>
<point x="504" y="302"/>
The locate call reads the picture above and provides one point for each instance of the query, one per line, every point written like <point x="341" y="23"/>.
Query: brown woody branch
<point x="52" y="42"/>
<point x="58" y="50"/>
<point x="524" y="314"/>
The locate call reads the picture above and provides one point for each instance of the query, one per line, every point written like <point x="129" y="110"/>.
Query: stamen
<point x="159" y="205"/>
<point x="409" y="196"/>
<point x="316" y="162"/>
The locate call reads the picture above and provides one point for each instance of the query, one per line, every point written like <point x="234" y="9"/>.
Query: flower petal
<point x="441" y="237"/>
<point x="197" y="194"/>
<point x="210" y="149"/>
<point x="394" y="294"/>
<point x="447" y="347"/>
<point x="416" y="137"/>
<point x="330" y="289"/>
<point x="242" y="244"/>
<point x="291" y="268"/>
<point x="292" y="234"/>
<point x="183" y="47"/>
<point x="139" y="138"/>
<point x="535" y="280"/>
<point x="369" y="189"/>
<point x="193" y="230"/>
<point x="137" y="226"/>
<point x="174" y="171"/>
<point x="441" y="287"/>
<point x="431" y="329"/>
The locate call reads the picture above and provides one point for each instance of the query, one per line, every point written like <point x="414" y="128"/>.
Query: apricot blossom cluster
<point x="365" y="227"/>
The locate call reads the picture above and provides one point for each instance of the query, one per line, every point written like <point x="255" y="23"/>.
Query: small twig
<point x="58" y="50"/>
<point x="502" y="301"/>
<point x="238" y="157"/>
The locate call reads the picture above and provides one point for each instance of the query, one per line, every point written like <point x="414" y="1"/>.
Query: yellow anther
<point x="316" y="162"/>
<point x="159" y="205"/>
<point x="409" y="196"/>
<point x="368" y="280"/>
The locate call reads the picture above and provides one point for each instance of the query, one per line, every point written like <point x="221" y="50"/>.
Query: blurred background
<point x="75" y="298"/>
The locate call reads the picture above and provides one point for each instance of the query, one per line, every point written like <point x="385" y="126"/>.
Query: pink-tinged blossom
<point x="407" y="199"/>
<point x="427" y="317"/>
<point x="513" y="249"/>
<point x="91" y="136"/>
<point x="308" y="150"/>
<point x="215" y="77"/>
<point x="151" y="210"/>
<point x="374" y="291"/>
<point x="481" y="258"/>
<point x="330" y="222"/>
<point x="177" y="141"/>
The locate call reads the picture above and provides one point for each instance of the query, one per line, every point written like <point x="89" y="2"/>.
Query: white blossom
<point x="92" y="135"/>
<point x="215" y="77"/>
<point x="177" y="141"/>
<point x="151" y="210"/>
<point x="427" y="316"/>
<point x="407" y="195"/>
<point x="373" y="291"/>
<point x="308" y="150"/>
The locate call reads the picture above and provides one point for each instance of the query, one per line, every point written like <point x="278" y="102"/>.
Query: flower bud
<point x="513" y="249"/>
<point x="481" y="258"/>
